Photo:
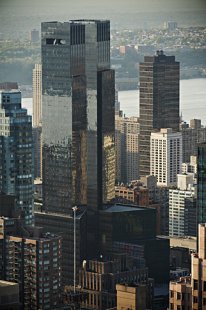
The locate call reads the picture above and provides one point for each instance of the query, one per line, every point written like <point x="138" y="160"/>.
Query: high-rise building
<point x="37" y="119"/>
<point x="16" y="149"/>
<point x="34" y="35"/>
<point x="201" y="181"/>
<point x="182" y="207"/>
<point x="33" y="260"/>
<point x="127" y="152"/>
<point x="78" y="95"/>
<point x="63" y="225"/>
<point x="37" y="95"/>
<point x="129" y="224"/>
<point x="159" y="101"/>
<point x="37" y="140"/>
<point x="166" y="156"/>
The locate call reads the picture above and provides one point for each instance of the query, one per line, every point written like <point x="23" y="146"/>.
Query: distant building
<point x="127" y="150"/>
<point x="189" y="292"/>
<point x="170" y="25"/>
<point x="37" y="95"/>
<point x="192" y="134"/>
<point x="8" y="85"/>
<point x="190" y="167"/>
<point x="16" y="152"/>
<point x="34" y="36"/>
<point x="134" y="193"/>
<point x="37" y="119"/>
<point x="165" y="156"/>
<point x="159" y="101"/>
<point x="182" y="207"/>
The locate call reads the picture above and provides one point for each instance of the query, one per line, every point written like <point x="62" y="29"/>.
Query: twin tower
<point x="78" y="129"/>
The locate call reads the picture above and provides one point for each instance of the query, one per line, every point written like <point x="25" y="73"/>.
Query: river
<point x="192" y="100"/>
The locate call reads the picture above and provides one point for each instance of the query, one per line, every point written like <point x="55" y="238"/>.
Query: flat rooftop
<point x="7" y="283"/>
<point x="124" y="208"/>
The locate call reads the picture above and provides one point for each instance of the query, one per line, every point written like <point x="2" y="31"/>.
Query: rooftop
<point x="123" y="208"/>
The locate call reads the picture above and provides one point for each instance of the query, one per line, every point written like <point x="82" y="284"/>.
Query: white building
<point x="182" y="207"/>
<point x="165" y="156"/>
<point x="37" y="95"/>
<point x="190" y="167"/>
<point x="37" y="119"/>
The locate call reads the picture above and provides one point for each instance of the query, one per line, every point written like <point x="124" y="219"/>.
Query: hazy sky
<point x="42" y="6"/>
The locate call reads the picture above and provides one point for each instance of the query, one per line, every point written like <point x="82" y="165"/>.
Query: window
<point x="195" y="284"/>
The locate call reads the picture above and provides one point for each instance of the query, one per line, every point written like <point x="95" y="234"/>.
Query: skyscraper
<point x="201" y="183"/>
<point x="159" y="101"/>
<point x="37" y="95"/>
<point x="78" y="115"/>
<point x="37" y="119"/>
<point x="16" y="147"/>
<point x="32" y="259"/>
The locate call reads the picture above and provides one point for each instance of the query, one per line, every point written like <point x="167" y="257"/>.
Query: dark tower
<point x="159" y="101"/>
<point x="78" y="115"/>
<point x="201" y="183"/>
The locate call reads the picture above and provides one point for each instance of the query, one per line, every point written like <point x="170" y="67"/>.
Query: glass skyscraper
<point x="78" y="96"/>
<point x="16" y="147"/>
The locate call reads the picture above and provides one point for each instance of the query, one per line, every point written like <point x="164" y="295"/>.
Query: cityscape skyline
<point x="99" y="210"/>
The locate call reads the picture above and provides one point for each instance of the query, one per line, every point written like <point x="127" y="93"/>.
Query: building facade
<point x="201" y="183"/>
<point x="159" y="101"/>
<point x="165" y="156"/>
<point x="37" y="95"/>
<point x="192" y="134"/>
<point x="63" y="225"/>
<point x="127" y="150"/>
<point x="16" y="153"/>
<point x="33" y="260"/>
<point x="182" y="207"/>
<point x="98" y="278"/>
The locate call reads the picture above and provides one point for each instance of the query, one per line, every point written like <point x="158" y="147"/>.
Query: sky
<point x="19" y="16"/>
<point x="42" y="6"/>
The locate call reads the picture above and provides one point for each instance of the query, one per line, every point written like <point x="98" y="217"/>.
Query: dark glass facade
<point x="78" y="94"/>
<point x="159" y="101"/>
<point x="201" y="183"/>
<point x="16" y="149"/>
<point x="126" y="224"/>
